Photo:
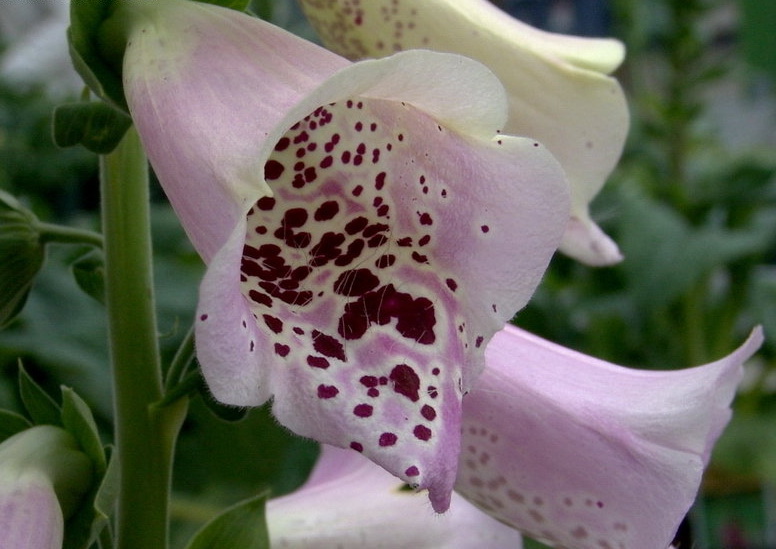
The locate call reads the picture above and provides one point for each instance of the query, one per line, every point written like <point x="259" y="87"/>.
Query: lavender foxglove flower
<point x="350" y="503"/>
<point x="558" y="86"/>
<point x="367" y="227"/>
<point x="582" y="453"/>
<point x="43" y="475"/>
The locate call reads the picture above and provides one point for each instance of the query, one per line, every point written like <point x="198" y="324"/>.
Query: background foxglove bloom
<point x="350" y="503"/>
<point x="582" y="453"/>
<point x="43" y="475"/>
<point x="367" y="228"/>
<point x="559" y="91"/>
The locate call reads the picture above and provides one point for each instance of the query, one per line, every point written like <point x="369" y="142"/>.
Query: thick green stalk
<point x="145" y="437"/>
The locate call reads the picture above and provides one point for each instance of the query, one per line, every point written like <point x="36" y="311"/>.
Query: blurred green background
<point x="692" y="205"/>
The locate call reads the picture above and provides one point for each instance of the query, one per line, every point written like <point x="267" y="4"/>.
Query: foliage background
<point x="692" y="204"/>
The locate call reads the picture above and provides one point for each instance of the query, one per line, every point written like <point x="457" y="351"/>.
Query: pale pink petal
<point x="559" y="91"/>
<point x="202" y="117"/>
<point x="30" y="517"/>
<point x="585" y="454"/>
<point x="350" y="503"/>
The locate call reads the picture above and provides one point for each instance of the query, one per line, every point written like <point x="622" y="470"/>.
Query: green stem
<point x="145" y="438"/>
<point x="50" y="232"/>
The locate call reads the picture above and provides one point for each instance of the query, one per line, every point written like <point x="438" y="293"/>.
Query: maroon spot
<point x="274" y="324"/>
<point x="415" y="317"/>
<point x="302" y="137"/>
<point x="327" y="391"/>
<point x="203" y="317"/>
<point x="363" y="410"/>
<point x="345" y="157"/>
<point x="380" y="180"/>
<point x="405" y="381"/>
<point x="282" y="350"/>
<point x="295" y="217"/>
<point x="432" y="391"/>
<point x="374" y="229"/>
<point x="452" y="284"/>
<point x="428" y="412"/>
<point x="273" y="170"/>
<point x="356" y="225"/>
<point x="317" y="362"/>
<point x="422" y="432"/>
<point x="479" y="341"/>
<point x="425" y="219"/>
<point x="357" y="190"/>
<point x="435" y="371"/>
<point x="357" y="446"/>
<point x="298" y="330"/>
<point x="283" y="144"/>
<point x="412" y="471"/>
<point x="405" y="242"/>
<point x="368" y="381"/>
<point x="420" y="258"/>
<point x="266" y="203"/>
<point x="356" y="282"/>
<point x="359" y="126"/>
<point x="328" y="346"/>
<point x="388" y="439"/>
<point x="310" y="174"/>
<point x="424" y="240"/>
<point x="327" y="249"/>
<point x="326" y="211"/>
<point x="382" y="211"/>
<point x="378" y="240"/>
<point x="485" y="228"/>
<point x="326" y="162"/>
<point x="385" y="261"/>
<point x="372" y="392"/>
<point x="260" y="298"/>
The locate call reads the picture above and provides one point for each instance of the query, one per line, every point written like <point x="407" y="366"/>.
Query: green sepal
<point x="12" y="423"/>
<point x="77" y="418"/>
<point x="89" y="273"/>
<point x="239" y="5"/>
<point x="89" y="523"/>
<point x="243" y="525"/>
<point x="41" y="408"/>
<point x="96" y="125"/>
<point x="21" y="255"/>
<point x="101" y="73"/>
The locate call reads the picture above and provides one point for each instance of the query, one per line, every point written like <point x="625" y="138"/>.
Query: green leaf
<point x="666" y="256"/>
<point x="77" y="418"/>
<point x="244" y="525"/>
<point x="21" y="256"/>
<point x="101" y="74"/>
<point x="89" y="273"/>
<point x="92" y="518"/>
<point x="239" y="5"/>
<point x="96" y="125"/>
<point x="39" y="405"/>
<point x="12" y="423"/>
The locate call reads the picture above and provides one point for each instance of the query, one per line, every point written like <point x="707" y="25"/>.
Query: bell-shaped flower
<point x="348" y="502"/>
<point x="581" y="453"/>
<point x="559" y="91"/>
<point x="43" y="476"/>
<point x="367" y="227"/>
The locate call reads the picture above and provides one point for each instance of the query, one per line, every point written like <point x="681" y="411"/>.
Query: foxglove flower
<point x="350" y="503"/>
<point x="559" y="91"/>
<point x="43" y="475"/>
<point x="367" y="227"/>
<point x="581" y="453"/>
